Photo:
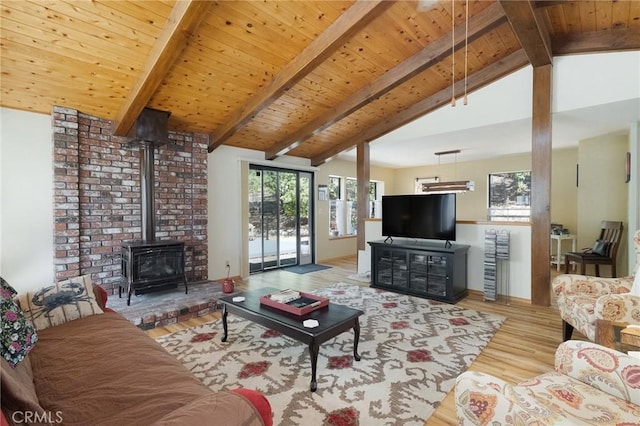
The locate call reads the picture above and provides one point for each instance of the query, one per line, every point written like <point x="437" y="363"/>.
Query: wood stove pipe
<point x="147" y="193"/>
<point x="150" y="130"/>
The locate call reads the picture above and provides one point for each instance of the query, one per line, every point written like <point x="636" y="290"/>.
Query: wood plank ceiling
<point x="305" y="78"/>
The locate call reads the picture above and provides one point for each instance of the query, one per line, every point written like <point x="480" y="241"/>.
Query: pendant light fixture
<point x="453" y="52"/>
<point x="440" y="187"/>
<point x="466" y="50"/>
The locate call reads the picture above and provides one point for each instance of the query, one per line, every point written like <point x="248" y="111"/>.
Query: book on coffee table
<point x="285" y="296"/>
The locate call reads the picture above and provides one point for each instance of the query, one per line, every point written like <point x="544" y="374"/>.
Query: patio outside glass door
<point x="279" y="219"/>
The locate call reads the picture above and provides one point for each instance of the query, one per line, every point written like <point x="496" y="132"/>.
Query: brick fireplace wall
<point x="97" y="197"/>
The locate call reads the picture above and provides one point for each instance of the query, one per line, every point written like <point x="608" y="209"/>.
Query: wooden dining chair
<point x="610" y="235"/>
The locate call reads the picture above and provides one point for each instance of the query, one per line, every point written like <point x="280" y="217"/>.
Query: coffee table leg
<point x="314" y="348"/>
<point x="356" y="332"/>
<point x="224" y="322"/>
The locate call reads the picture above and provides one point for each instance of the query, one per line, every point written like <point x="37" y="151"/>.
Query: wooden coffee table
<point x="617" y="335"/>
<point x="630" y="336"/>
<point x="334" y="319"/>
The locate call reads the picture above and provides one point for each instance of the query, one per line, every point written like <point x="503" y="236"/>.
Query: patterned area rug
<point x="412" y="350"/>
<point x="363" y="278"/>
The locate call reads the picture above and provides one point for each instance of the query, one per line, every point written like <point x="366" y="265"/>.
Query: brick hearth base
<point x="162" y="308"/>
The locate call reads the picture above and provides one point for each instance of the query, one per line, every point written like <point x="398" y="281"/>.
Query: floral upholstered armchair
<point x="591" y="384"/>
<point x="582" y="300"/>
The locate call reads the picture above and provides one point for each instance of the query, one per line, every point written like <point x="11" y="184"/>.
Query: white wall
<point x="519" y="263"/>
<point x="26" y="199"/>
<point x="226" y="233"/>
<point x="372" y="232"/>
<point x="224" y="205"/>
<point x="580" y="81"/>
<point x="602" y="192"/>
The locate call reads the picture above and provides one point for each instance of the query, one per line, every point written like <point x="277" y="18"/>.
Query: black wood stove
<point x="150" y="265"/>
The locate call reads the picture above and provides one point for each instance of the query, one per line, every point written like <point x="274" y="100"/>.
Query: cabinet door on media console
<point x="418" y="277"/>
<point x="429" y="274"/>
<point x="391" y="267"/>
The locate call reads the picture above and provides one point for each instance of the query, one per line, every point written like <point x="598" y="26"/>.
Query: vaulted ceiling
<point x="303" y="78"/>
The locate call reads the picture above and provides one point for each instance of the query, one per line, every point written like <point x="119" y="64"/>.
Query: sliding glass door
<point x="305" y="180"/>
<point x="279" y="218"/>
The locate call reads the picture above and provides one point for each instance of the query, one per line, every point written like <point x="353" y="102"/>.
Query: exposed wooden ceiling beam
<point x="345" y="27"/>
<point x="529" y="26"/>
<point x="598" y="41"/>
<point x="482" y="23"/>
<point x="481" y="78"/>
<point x="181" y="25"/>
<point x="548" y="3"/>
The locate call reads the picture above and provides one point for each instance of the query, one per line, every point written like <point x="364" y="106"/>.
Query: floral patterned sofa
<point x="584" y="299"/>
<point x="591" y="384"/>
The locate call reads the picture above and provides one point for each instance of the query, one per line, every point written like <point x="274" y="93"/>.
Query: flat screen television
<point x="426" y="216"/>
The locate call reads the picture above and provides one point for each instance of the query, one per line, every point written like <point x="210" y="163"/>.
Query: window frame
<point x="334" y="194"/>
<point x="510" y="211"/>
<point x="338" y="191"/>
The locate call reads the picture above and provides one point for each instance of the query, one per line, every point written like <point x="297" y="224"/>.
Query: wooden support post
<point x="362" y="160"/>
<point x="541" y="186"/>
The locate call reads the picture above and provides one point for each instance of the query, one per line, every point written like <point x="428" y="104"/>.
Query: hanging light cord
<point x="455" y="167"/>
<point x="453" y="51"/>
<point x="466" y="42"/>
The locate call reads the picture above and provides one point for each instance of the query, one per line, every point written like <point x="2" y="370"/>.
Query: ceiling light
<point x="448" y="187"/>
<point x="451" y="186"/>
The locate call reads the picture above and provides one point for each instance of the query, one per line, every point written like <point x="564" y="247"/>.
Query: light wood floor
<point x="523" y="347"/>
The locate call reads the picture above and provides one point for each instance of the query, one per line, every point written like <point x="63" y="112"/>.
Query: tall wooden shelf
<point x="425" y="269"/>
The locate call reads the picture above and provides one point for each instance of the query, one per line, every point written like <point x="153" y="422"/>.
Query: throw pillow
<point x="259" y="401"/>
<point x="16" y="332"/>
<point x="600" y="248"/>
<point x="66" y="301"/>
<point x="101" y="298"/>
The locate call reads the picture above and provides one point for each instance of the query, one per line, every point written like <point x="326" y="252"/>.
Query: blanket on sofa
<point x="102" y="369"/>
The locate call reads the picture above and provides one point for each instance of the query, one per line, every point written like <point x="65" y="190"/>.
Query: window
<point x="352" y="206"/>
<point x="510" y="196"/>
<point x="335" y="195"/>
<point x="343" y="204"/>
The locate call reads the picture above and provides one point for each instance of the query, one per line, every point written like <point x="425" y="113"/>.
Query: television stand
<point x="425" y="269"/>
